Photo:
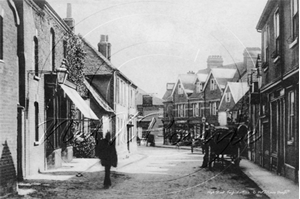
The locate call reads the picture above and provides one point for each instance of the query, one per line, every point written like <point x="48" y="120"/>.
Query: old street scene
<point x="149" y="99"/>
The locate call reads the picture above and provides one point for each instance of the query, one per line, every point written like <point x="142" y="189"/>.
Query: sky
<point x="153" y="41"/>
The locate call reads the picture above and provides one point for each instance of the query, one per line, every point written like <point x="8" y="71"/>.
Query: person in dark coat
<point x="108" y="157"/>
<point x="205" y="147"/>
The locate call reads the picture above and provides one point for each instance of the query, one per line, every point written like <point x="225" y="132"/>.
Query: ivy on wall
<point x="75" y="56"/>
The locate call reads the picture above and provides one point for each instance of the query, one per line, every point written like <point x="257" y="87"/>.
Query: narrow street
<point x="160" y="173"/>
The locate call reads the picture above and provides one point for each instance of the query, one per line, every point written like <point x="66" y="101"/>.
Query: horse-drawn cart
<point x="223" y="145"/>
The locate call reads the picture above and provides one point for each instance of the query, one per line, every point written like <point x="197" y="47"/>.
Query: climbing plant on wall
<point x="75" y="56"/>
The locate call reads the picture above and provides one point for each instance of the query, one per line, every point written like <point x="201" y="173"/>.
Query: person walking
<point x="108" y="157"/>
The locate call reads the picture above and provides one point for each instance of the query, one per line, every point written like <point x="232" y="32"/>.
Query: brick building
<point x="117" y="91"/>
<point x="9" y="103"/>
<point x="276" y="85"/>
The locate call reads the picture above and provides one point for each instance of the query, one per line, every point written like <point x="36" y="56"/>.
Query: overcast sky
<point x="155" y="40"/>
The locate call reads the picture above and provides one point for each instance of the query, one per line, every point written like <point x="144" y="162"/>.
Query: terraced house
<point x="278" y="89"/>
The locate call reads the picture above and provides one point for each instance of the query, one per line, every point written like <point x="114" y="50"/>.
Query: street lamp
<point x="62" y="72"/>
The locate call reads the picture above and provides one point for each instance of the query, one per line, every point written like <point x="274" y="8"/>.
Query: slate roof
<point x="223" y="75"/>
<point x="202" y="76"/>
<point x="238" y="89"/>
<point x="168" y="95"/>
<point x="188" y="82"/>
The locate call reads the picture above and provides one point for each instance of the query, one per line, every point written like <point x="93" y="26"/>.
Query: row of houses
<point x="208" y="95"/>
<point x="55" y="88"/>
<point x="261" y="93"/>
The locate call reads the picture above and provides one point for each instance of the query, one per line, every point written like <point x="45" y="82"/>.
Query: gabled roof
<point x="188" y="82"/>
<point x="204" y="71"/>
<point x="266" y="14"/>
<point x="202" y="76"/>
<point x="168" y="95"/>
<point x="238" y="89"/>
<point x="222" y="76"/>
<point x="106" y="61"/>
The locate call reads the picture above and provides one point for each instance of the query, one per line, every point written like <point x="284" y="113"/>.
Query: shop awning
<point x="79" y="102"/>
<point x="102" y="102"/>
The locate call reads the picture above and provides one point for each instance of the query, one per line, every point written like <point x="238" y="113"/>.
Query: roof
<point x="238" y="89"/>
<point x="108" y="63"/>
<point x="99" y="99"/>
<point x="139" y="98"/>
<point x="221" y="75"/>
<point x="202" y="76"/>
<point x="188" y="82"/>
<point x="204" y="71"/>
<point x="265" y="14"/>
<point x="168" y="95"/>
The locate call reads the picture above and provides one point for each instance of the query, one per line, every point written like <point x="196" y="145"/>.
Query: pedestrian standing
<point x="206" y="141"/>
<point x="108" y="157"/>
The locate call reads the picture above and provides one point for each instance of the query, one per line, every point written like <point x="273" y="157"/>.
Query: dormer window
<point x="198" y="87"/>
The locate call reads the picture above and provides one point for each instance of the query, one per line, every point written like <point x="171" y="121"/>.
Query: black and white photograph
<point x="149" y="99"/>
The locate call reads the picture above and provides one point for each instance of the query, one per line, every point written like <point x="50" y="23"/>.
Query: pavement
<point x="276" y="187"/>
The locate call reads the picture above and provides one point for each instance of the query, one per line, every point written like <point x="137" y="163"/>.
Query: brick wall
<point x="38" y="23"/>
<point x="8" y="102"/>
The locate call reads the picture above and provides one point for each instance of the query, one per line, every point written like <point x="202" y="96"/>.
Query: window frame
<point x="36" y="121"/>
<point x="291" y="117"/>
<point x="52" y="49"/>
<point x="294" y="18"/>
<point x="212" y="84"/>
<point x="180" y="90"/>
<point x="227" y="97"/>
<point x="36" y="55"/>
<point x="266" y="43"/>
<point x="1" y="38"/>
<point x="277" y="30"/>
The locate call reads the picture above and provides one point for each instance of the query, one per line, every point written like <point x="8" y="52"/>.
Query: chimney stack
<point x="214" y="61"/>
<point x="69" y="20"/>
<point x="104" y="47"/>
